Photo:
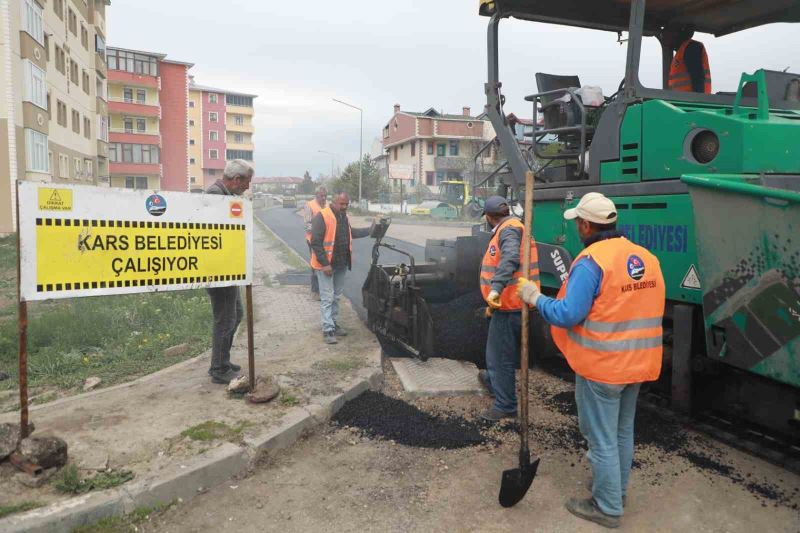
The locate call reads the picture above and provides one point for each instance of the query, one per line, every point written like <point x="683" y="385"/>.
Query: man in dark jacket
<point x="226" y="302"/>
<point x="331" y="258"/>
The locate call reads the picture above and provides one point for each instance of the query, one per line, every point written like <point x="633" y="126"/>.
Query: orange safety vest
<point x="315" y="208"/>
<point x="329" y="238"/>
<point x="620" y="340"/>
<point x="509" y="301"/>
<point x="679" y="78"/>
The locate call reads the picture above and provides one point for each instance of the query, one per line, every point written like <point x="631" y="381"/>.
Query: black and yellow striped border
<point x="140" y="224"/>
<point x="115" y="284"/>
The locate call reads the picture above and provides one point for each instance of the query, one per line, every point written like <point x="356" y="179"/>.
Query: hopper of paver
<point x="748" y="250"/>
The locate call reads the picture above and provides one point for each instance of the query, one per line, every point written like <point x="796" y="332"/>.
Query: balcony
<point x="129" y="78"/>
<point x="452" y="163"/>
<point x="118" y="106"/>
<point x="100" y="65"/>
<point x="239" y="110"/>
<point x="242" y="128"/>
<point x="230" y="145"/>
<point x="117" y="135"/>
<point x="135" y="169"/>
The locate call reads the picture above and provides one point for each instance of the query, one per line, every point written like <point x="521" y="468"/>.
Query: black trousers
<point x="226" y="306"/>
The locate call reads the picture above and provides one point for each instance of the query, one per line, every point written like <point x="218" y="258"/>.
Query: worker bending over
<point x="606" y="320"/>
<point x="500" y="271"/>
<point x="689" y="70"/>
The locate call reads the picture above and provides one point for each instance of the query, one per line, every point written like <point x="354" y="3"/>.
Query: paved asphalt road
<point x="289" y="227"/>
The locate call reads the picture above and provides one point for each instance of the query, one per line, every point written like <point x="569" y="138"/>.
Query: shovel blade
<point x="516" y="482"/>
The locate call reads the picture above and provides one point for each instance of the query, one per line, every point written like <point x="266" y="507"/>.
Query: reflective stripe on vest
<point x="329" y="239"/>
<point x="620" y="341"/>
<point x="315" y="208"/>
<point x="509" y="301"/>
<point x="679" y="77"/>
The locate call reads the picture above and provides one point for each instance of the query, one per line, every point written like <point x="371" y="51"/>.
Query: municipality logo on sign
<point x="635" y="267"/>
<point x="156" y="205"/>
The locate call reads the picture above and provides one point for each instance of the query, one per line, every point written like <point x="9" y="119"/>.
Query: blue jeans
<point x="330" y="290"/>
<point x="605" y="416"/>
<point x="502" y="358"/>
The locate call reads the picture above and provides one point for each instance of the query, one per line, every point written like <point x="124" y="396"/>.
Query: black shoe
<point x="493" y="415"/>
<point x="483" y="377"/>
<point x="235" y="368"/>
<point x="588" y="510"/>
<point x="329" y="337"/>
<point x="340" y="331"/>
<point x="225" y="378"/>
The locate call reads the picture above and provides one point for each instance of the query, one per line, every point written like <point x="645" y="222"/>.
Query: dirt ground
<point x="341" y="480"/>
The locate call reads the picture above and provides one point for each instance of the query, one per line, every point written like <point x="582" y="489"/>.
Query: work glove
<point x="493" y="299"/>
<point x="528" y="291"/>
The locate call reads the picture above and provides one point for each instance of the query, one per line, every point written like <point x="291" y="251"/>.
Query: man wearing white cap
<point x="606" y="320"/>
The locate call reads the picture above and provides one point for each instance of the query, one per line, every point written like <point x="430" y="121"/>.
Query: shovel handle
<point x="526" y="267"/>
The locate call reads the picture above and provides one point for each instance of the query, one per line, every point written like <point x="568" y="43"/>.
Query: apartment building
<point x="148" y="104"/>
<point x="430" y="147"/>
<point x="54" y="116"/>
<point x="220" y="129"/>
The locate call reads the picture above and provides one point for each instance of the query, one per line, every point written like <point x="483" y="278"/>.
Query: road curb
<point x="285" y="244"/>
<point x="193" y="477"/>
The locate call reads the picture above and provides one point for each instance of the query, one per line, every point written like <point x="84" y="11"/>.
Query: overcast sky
<point x="299" y="54"/>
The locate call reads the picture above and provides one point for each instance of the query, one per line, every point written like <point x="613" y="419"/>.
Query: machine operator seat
<point x="562" y="115"/>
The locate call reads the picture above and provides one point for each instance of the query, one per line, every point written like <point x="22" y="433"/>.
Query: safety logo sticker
<point x="691" y="280"/>
<point x="156" y="205"/>
<point x="236" y="209"/>
<point x="55" y="199"/>
<point x="635" y="267"/>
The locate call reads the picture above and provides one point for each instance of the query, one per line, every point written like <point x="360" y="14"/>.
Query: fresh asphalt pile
<point x="458" y="332"/>
<point x="380" y="416"/>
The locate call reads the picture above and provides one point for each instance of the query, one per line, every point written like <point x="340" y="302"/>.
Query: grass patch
<point x="340" y="365"/>
<point x="69" y="480"/>
<point x="118" y="524"/>
<point x="6" y="510"/>
<point x="289" y="400"/>
<point x="116" y="338"/>
<point x="212" y="430"/>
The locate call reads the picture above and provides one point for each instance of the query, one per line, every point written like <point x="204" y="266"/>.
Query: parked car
<point x="289" y="201"/>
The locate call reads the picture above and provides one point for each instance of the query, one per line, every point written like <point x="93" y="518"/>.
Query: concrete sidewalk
<point x="138" y="426"/>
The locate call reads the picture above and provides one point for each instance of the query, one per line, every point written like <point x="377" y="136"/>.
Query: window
<point x="141" y="182"/>
<point x="100" y="46"/>
<point x="191" y="103"/>
<point x="191" y="142"/>
<point x="50" y="161"/>
<point x="58" y="8"/>
<point x="63" y="166"/>
<point x="73" y="72"/>
<point x="60" y="59"/>
<point x="454" y="176"/>
<point x="212" y="172"/>
<point x="128" y="125"/>
<point x="191" y="122"/>
<point x="413" y="148"/>
<point x="113" y="154"/>
<point x="50" y="111"/>
<point x="102" y="128"/>
<point x="439" y="176"/>
<point x="191" y="161"/>
<point x="192" y="179"/>
<point x="32" y="20"/>
<point x="430" y="148"/>
<point x="34" y="85"/>
<point x="239" y="100"/>
<point x="395" y="153"/>
<point x="76" y="121"/>
<point x="238" y="138"/>
<point x="212" y="98"/>
<point x="429" y="176"/>
<point x="87" y="128"/>
<point x="213" y="135"/>
<point x="131" y="62"/>
<point x="133" y="153"/>
<point x="127" y="94"/>
<point x="130" y="182"/>
<point x="36" y="150"/>
<point x="212" y="116"/>
<point x="247" y="155"/>
<point x="100" y="87"/>
<point x="77" y="167"/>
<point x="441" y="149"/>
<point x="238" y="120"/>
<point x="141" y="125"/>
<point x="85" y="82"/>
<point x="213" y="154"/>
<point x="453" y="147"/>
<point x="46" y="47"/>
<point x="141" y="96"/>
<point x="136" y="182"/>
<point x="61" y="113"/>
<point x="84" y="37"/>
<point x="72" y="21"/>
<point x="89" y="168"/>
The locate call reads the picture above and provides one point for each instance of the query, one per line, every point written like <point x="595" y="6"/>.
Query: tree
<point x="372" y="183"/>
<point x="308" y="186"/>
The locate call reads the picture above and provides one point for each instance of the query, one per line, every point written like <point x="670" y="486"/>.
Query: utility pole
<point x="360" y="144"/>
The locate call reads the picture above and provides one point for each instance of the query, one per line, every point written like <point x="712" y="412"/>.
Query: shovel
<point x="517" y="481"/>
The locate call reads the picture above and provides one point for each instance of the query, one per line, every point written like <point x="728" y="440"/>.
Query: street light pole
<point x="360" y="144"/>
<point x="332" y="155"/>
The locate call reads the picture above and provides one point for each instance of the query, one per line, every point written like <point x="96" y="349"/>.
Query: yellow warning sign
<point x="79" y="254"/>
<point x="55" y="199"/>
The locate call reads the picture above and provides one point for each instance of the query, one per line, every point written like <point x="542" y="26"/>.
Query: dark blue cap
<point x="495" y="205"/>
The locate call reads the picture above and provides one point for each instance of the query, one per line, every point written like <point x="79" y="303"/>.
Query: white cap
<point x="593" y="207"/>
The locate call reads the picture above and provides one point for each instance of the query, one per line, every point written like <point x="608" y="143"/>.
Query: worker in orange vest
<point x="606" y="320"/>
<point x="312" y="207"/>
<point x="500" y="271"/>
<point x="331" y="258"/>
<point x="689" y="70"/>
